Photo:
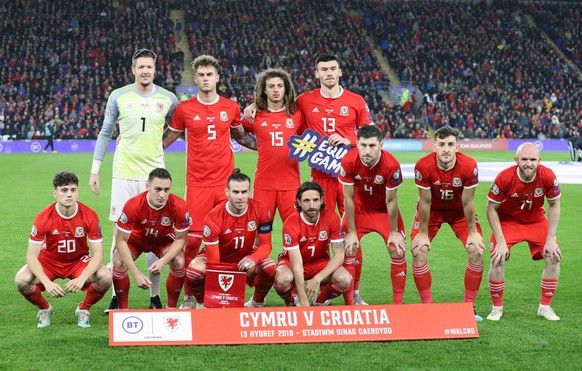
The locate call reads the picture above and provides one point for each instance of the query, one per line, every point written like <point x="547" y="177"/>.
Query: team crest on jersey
<point x="417" y="175"/>
<point x="34" y="231"/>
<point x="287" y="238"/>
<point x="225" y="281"/>
<point x="344" y="111"/>
<point x="206" y="231"/>
<point x="495" y="189"/>
<point x="379" y="179"/>
<point x="252" y="225"/>
<point x="79" y="231"/>
<point x="113" y="210"/>
<point x="289" y="124"/>
<point x="159" y="107"/>
<point x="538" y="192"/>
<point x="223" y="116"/>
<point x="166" y="221"/>
<point x="457" y="182"/>
<point x="323" y="235"/>
<point x="172" y="323"/>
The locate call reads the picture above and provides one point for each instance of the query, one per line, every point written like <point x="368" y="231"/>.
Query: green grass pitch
<point x="520" y="340"/>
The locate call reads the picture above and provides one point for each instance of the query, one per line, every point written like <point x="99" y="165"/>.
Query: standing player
<point x="446" y="182"/>
<point x="277" y="176"/>
<point x="307" y="236"/>
<point x="143" y="109"/>
<point x="57" y="248"/>
<point x="237" y="237"/>
<point x="337" y="113"/>
<point x="209" y="120"/>
<point x="515" y="211"/>
<point x="575" y="147"/>
<point x="370" y="177"/>
<point x="154" y="221"/>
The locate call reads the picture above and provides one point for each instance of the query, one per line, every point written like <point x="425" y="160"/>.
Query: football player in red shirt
<point x="515" y="210"/>
<point x="277" y="176"/>
<point x="57" y="248"/>
<point x="307" y="236"/>
<point x="446" y="182"/>
<point x="208" y="121"/>
<point x="237" y="237"/>
<point x="153" y="221"/>
<point x="370" y="177"/>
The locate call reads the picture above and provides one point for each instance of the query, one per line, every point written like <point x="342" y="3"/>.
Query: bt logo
<point x="132" y="325"/>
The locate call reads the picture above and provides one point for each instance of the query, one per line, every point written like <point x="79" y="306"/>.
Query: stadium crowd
<point x="482" y="67"/>
<point x="60" y="61"/>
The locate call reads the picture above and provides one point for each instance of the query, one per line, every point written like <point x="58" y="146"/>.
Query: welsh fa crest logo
<point x="225" y="281"/>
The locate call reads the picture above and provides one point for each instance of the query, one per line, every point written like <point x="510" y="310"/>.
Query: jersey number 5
<point x="211" y="132"/>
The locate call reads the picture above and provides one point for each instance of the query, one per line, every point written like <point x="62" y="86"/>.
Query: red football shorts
<point x="532" y="233"/>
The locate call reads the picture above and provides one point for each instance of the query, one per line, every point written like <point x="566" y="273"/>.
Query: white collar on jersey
<point x="277" y="110"/>
<point x="337" y="96"/>
<point x="450" y="167"/>
<point x="233" y="214"/>
<point x="307" y="221"/>
<point x="67" y="217"/>
<point x="208" y="104"/>
<point x="153" y="207"/>
<point x="375" y="163"/>
<point x="523" y="180"/>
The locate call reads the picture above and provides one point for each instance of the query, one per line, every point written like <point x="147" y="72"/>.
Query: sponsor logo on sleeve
<point x="417" y="175"/>
<point x="123" y="218"/>
<point x="287" y="239"/>
<point x="495" y="189"/>
<point x="34" y="231"/>
<point x="206" y="231"/>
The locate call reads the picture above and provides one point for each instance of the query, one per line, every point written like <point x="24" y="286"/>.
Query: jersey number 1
<point x="142" y="124"/>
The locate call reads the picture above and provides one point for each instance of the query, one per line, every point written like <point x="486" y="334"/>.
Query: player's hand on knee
<point x="55" y="290"/>
<point x="142" y="281"/>
<point x="74" y="285"/>
<point x="351" y="244"/>
<point x="499" y="255"/>
<point x="553" y="252"/>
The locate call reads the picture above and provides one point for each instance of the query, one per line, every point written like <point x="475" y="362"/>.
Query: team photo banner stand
<point x="273" y="325"/>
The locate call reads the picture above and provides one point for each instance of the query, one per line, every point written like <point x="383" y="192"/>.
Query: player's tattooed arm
<point x="243" y="138"/>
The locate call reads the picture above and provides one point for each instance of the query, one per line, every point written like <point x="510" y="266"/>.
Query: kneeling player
<point x="154" y="221"/>
<point x="231" y="231"/>
<point x="306" y="239"/>
<point x="57" y="248"/>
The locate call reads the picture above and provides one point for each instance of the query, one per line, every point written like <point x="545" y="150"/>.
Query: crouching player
<point x="237" y="237"/>
<point x="57" y="248"/>
<point x="153" y="221"/>
<point x="306" y="239"/>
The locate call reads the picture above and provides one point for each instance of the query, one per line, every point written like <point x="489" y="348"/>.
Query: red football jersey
<point x="342" y="115"/>
<point x="446" y="186"/>
<point x="65" y="238"/>
<point x="523" y="201"/>
<point x="209" y="158"/>
<point x="151" y="228"/>
<point x="370" y="183"/>
<point x="235" y="234"/>
<point x="275" y="170"/>
<point x="312" y="239"/>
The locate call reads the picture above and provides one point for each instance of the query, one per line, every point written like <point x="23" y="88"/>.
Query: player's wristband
<point x="96" y="166"/>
